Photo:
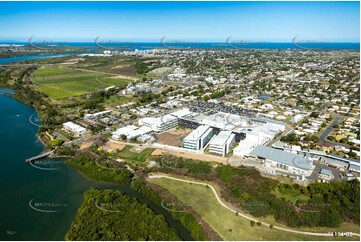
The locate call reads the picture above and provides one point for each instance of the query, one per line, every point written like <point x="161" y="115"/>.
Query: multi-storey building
<point x="198" y="138"/>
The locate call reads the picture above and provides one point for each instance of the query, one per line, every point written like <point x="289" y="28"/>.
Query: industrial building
<point x="335" y="161"/>
<point x="159" y="124"/>
<point x="324" y="173"/>
<point x="355" y="168"/>
<point x="222" y="143"/>
<point x="198" y="138"/>
<point x="74" y="128"/>
<point x="289" y="162"/>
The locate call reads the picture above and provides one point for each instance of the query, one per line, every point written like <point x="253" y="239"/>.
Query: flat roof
<point x="221" y="138"/>
<point x="225" y="121"/>
<point x="197" y="133"/>
<point x="344" y="159"/>
<point x="247" y="145"/>
<point x="317" y="152"/>
<point x="278" y="144"/>
<point x="336" y="162"/>
<point x="181" y="113"/>
<point x="355" y="167"/>
<point x="264" y="120"/>
<point x="74" y="126"/>
<point x="282" y="157"/>
<point x="100" y="113"/>
<point x="131" y="131"/>
<point x="158" y="120"/>
<point x="326" y="172"/>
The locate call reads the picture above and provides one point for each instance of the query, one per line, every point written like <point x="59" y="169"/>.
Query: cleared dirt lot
<point x="115" y="146"/>
<point x="86" y="145"/>
<point x="173" y="137"/>
<point x="202" y="157"/>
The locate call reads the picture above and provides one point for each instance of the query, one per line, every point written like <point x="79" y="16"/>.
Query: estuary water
<point x="38" y="204"/>
<point x="29" y="57"/>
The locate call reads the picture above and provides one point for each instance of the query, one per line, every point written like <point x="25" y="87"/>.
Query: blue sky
<point x="196" y="21"/>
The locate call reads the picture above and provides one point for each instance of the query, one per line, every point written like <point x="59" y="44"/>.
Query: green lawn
<point x="119" y="100"/>
<point x="224" y="222"/>
<point x="127" y="154"/>
<point x="61" y="82"/>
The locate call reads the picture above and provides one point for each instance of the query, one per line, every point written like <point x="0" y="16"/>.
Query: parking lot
<point x="203" y="107"/>
<point x="320" y="165"/>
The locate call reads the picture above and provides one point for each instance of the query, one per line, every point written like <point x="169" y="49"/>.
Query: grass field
<point x="224" y="222"/>
<point x="128" y="154"/>
<point x="290" y="197"/>
<point x="61" y="82"/>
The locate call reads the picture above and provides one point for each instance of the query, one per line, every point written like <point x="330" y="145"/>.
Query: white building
<point x="97" y="115"/>
<point x="130" y="131"/>
<point x="297" y="118"/>
<point x="222" y="143"/>
<point x="74" y="128"/>
<point x="247" y="145"/>
<point x="183" y="113"/>
<point x="159" y="124"/>
<point x="283" y="160"/>
<point x="198" y="138"/>
<point x="225" y="121"/>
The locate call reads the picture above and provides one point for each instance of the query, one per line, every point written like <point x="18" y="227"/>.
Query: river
<point x="40" y="204"/>
<point x="4" y="61"/>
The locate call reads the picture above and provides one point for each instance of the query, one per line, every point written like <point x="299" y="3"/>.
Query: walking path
<point x="243" y="215"/>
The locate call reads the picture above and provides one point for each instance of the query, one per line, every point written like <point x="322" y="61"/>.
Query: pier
<point x="43" y="155"/>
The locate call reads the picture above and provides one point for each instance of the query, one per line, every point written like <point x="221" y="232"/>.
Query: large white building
<point x="74" y="128"/>
<point x="283" y="160"/>
<point x="198" y="138"/>
<point x="159" y="124"/>
<point x="222" y="143"/>
<point x="258" y="134"/>
<point x="225" y="121"/>
<point x="247" y="145"/>
<point x="130" y="131"/>
<point x="183" y="113"/>
<point x="96" y="115"/>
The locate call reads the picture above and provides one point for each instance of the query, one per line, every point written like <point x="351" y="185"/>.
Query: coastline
<point x="16" y="97"/>
<point x="90" y="182"/>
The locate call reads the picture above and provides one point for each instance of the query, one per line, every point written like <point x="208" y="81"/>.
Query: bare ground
<point x="202" y="157"/>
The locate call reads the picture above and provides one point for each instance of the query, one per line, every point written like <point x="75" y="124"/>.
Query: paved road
<point x="318" y="166"/>
<point x="243" y="215"/>
<point x="327" y="131"/>
<point x="286" y="132"/>
<point x="322" y="107"/>
<point x="60" y="136"/>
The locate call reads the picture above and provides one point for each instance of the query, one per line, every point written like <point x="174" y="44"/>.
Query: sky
<point x="187" y="21"/>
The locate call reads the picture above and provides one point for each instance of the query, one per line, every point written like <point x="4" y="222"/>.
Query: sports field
<point x="62" y="82"/>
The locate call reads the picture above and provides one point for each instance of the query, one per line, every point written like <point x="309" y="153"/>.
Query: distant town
<point x="297" y="115"/>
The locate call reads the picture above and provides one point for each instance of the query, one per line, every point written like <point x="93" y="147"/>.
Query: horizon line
<point x="48" y="41"/>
